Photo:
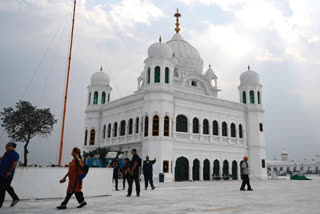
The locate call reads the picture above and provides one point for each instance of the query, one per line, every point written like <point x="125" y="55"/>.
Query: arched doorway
<point x="216" y="167"/>
<point x="182" y="169"/>
<point x="225" y="168"/>
<point x="195" y="170"/>
<point x="206" y="170"/>
<point x="234" y="170"/>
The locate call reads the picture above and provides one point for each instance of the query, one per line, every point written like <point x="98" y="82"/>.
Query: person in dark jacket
<point x="75" y="183"/>
<point x="125" y="172"/>
<point x="8" y="165"/>
<point x="148" y="172"/>
<point x="134" y="173"/>
<point x="116" y="170"/>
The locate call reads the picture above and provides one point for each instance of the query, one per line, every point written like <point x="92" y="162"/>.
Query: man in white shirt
<point x="245" y="174"/>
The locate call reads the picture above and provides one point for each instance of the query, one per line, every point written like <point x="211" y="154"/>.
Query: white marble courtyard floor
<point x="272" y="196"/>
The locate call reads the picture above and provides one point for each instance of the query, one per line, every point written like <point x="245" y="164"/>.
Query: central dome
<point x="186" y="54"/>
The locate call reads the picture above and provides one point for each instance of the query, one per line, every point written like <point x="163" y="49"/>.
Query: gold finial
<point x="248" y="67"/>
<point x="160" y="39"/>
<point x="177" y="15"/>
<point x="173" y="54"/>
<point x="101" y="68"/>
<point x="209" y="66"/>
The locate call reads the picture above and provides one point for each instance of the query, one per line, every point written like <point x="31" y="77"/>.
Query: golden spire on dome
<point x="177" y="15"/>
<point x="160" y="39"/>
<point x="101" y="68"/>
<point x="248" y="67"/>
<point x="209" y="66"/>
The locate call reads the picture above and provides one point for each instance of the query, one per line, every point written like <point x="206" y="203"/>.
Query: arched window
<point x="109" y="130"/>
<point x="244" y="97"/>
<point x="146" y="126"/>
<point x="148" y="76"/>
<point x="233" y="130"/>
<point x="85" y="137"/>
<point x="258" y="97"/>
<point x="155" y="125"/>
<point x="122" y="128"/>
<point x="95" y="98"/>
<point x="205" y="126"/>
<point x="215" y="128"/>
<point x="108" y="97"/>
<point x="224" y="129"/>
<point x="261" y="127"/>
<point x="92" y="136"/>
<point x="167" y="75"/>
<point x="103" y="98"/>
<point x="115" y="129"/>
<point x="137" y="125"/>
<point x="104" y="131"/>
<point x="182" y="124"/>
<point x="89" y="98"/>
<point x="251" y="97"/>
<point x="195" y="125"/>
<point x="166" y="126"/>
<point x="240" y="131"/>
<point x="130" y="126"/>
<point x="157" y="74"/>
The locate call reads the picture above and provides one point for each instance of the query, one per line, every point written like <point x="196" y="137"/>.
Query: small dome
<point x="160" y="49"/>
<point x="249" y="77"/>
<point x="100" y="78"/>
<point x="210" y="73"/>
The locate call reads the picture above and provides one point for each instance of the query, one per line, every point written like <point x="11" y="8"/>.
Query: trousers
<point x="136" y="179"/>
<point x="79" y="197"/>
<point x="245" y="181"/>
<point x="148" y="179"/>
<point x="5" y="185"/>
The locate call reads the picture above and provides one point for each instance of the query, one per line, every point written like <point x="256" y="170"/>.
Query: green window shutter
<point x="95" y="99"/>
<point x="103" y="98"/>
<point x="251" y="97"/>
<point x="167" y="75"/>
<point x="244" y="97"/>
<point x="157" y="74"/>
<point x="148" y="76"/>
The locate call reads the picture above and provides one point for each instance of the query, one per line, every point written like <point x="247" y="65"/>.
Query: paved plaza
<point x="271" y="196"/>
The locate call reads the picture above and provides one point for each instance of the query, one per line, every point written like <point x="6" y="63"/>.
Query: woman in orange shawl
<point x="75" y="183"/>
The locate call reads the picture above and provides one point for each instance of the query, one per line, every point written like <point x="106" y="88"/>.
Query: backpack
<point x="84" y="170"/>
<point x="241" y="162"/>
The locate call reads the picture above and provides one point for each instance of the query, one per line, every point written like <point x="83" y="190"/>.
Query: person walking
<point x="125" y="172"/>
<point x="245" y="174"/>
<point x="148" y="172"/>
<point x="134" y="173"/>
<point x="75" y="183"/>
<point x="8" y="166"/>
<point x="116" y="170"/>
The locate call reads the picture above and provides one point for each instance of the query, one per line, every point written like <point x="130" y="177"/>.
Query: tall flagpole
<point x="67" y="84"/>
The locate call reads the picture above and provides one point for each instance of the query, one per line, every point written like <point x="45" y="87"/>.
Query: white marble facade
<point x="176" y="112"/>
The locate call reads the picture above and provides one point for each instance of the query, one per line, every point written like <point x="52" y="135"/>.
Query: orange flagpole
<point x="67" y="84"/>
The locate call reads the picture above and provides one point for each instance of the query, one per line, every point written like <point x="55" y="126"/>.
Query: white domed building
<point x="177" y="117"/>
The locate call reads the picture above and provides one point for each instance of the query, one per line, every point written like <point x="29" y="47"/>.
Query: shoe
<point x="138" y="194"/>
<point x="82" y="205"/>
<point x="14" y="202"/>
<point x="242" y="190"/>
<point x="128" y="195"/>
<point x="249" y="189"/>
<point x="146" y="188"/>
<point x="123" y="188"/>
<point x="153" y="188"/>
<point x="62" y="207"/>
<point x="117" y="189"/>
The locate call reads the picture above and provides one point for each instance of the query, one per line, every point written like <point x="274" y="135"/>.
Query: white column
<point x="190" y="131"/>
<point x="201" y="170"/>
<point x="238" y="169"/>
<point x="211" y="169"/>
<point x="201" y="130"/>
<point x="230" y="167"/>
<point x="220" y="168"/>
<point x="190" y="169"/>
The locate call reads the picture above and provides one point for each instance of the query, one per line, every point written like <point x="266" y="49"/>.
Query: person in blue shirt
<point x="148" y="172"/>
<point x="8" y="165"/>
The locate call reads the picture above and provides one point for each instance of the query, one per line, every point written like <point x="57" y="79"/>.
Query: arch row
<point x="251" y="97"/>
<point x="223" y="129"/>
<point x="98" y="98"/>
<point x="156" y="77"/>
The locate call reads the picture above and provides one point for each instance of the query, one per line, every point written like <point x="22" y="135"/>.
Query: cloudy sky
<point x="280" y="39"/>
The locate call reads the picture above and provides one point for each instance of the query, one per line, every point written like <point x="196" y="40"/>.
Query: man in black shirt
<point x="148" y="172"/>
<point x="134" y="173"/>
<point x="116" y="169"/>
